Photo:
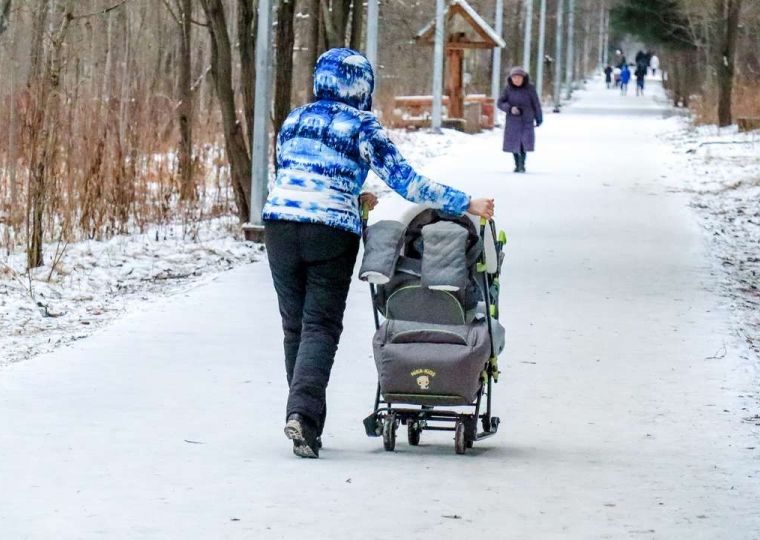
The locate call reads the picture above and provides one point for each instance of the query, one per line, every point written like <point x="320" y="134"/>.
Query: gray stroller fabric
<point x="444" y="261"/>
<point x="415" y="303"/>
<point x="499" y="337"/>
<point x="414" y="332"/>
<point x="382" y="248"/>
<point x="434" y="347"/>
<point x="430" y="364"/>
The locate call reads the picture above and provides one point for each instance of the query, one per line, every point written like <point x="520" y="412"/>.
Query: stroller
<point x="435" y="282"/>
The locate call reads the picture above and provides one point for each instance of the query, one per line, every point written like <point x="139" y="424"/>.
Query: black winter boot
<point x="522" y="162"/>
<point x="303" y="433"/>
<point x="517" y="162"/>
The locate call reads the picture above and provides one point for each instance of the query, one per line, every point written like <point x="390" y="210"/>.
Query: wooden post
<point x="454" y="76"/>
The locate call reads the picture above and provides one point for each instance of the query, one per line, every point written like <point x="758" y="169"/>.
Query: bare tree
<point x="47" y="104"/>
<point x="336" y="15"/>
<point x="284" y="68"/>
<point x="182" y="13"/>
<point x="221" y="70"/>
<point x="247" y="22"/>
<point x="357" y="23"/>
<point x="317" y="43"/>
<point x="727" y="26"/>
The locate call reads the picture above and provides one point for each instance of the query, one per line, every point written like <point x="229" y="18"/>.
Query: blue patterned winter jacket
<point x="325" y="150"/>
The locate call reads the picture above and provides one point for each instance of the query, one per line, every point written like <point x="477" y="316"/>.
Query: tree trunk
<point x="316" y="46"/>
<point x="514" y="52"/>
<point x="33" y="127"/>
<point x="331" y="34"/>
<point x="125" y="181"/>
<point x="284" y="68"/>
<point x="185" y="109"/>
<point x="48" y="105"/>
<point x="357" y="20"/>
<point x="247" y="22"/>
<point x="13" y="126"/>
<point x="726" y="53"/>
<point x="340" y="10"/>
<point x="221" y="70"/>
<point x="584" y="59"/>
<point x="335" y="16"/>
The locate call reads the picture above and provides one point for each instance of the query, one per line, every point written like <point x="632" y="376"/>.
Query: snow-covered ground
<point x="721" y="167"/>
<point x="626" y="398"/>
<point x="85" y="285"/>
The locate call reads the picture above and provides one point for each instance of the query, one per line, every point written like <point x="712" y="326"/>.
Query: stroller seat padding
<point x="414" y="302"/>
<point x="444" y="265"/>
<point x="415" y="332"/>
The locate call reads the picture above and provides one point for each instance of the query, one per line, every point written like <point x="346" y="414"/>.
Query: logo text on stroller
<point x="423" y="377"/>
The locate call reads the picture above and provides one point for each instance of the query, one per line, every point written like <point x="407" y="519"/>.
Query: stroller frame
<point x="386" y="416"/>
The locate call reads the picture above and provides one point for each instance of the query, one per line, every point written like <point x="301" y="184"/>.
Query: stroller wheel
<point x="413" y="433"/>
<point x="460" y="439"/>
<point x="389" y="433"/>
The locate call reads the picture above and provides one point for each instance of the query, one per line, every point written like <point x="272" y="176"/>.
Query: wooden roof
<point x="473" y="31"/>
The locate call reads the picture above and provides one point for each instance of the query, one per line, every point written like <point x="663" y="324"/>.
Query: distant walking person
<point x="620" y="57"/>
<point x="521" y="103"/>
<point x="654" y="64"/>
<point x="608" y="76"/>
<point x="641" y="58"/>
<point x="625" y="78"/>
<point x="641" y="73"/>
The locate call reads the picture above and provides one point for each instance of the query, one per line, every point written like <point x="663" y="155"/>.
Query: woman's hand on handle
<point x="481" y="207"/>
<point x="368" y="200"/>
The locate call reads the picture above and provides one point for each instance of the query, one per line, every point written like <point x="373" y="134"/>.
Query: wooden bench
<point x="413" y="112"/>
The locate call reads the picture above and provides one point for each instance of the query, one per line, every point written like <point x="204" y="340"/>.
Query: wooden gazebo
<point x="465" y="29"/>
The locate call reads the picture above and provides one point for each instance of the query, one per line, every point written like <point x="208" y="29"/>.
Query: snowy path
<point x="621" y="414"/>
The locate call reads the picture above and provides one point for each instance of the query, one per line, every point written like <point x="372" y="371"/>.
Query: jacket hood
<point x="345" y="75"/>
<point x="517" y="70"/>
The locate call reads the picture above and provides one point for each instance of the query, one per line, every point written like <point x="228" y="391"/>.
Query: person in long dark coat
<point x="641" y="73"/>
<point x="608" y="75"/>
<point x="520" y="101"/>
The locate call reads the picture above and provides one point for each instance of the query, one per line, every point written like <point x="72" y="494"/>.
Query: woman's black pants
<point x="311" y="266"/>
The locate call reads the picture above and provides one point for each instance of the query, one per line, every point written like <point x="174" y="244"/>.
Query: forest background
<point x="119" y="115"/>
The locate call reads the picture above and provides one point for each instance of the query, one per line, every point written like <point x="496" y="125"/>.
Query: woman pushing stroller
<point x="313" y="224"/>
